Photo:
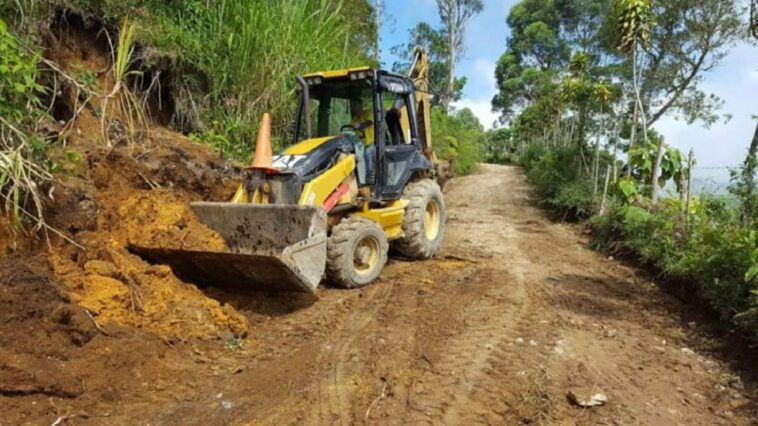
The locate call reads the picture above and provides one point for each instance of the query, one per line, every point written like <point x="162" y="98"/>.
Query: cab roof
<point x="336" y="73"/>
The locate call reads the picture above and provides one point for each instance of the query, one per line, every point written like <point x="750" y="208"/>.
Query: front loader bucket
<point x="271" y="247"/>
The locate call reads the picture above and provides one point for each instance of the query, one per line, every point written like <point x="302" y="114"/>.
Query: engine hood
<point x="309" y="158"/>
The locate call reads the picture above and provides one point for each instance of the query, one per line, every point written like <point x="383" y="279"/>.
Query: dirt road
<point x="515" y="313"/>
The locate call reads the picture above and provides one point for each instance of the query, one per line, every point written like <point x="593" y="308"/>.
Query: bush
<point x="714" y="252"/>
<point x="23" y="167"/>
<point x="558" y="180"/>
<point x="710" y="246"/>
<point x="457" y="135"/>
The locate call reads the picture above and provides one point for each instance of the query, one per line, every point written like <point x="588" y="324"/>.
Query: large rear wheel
<point x="424" y="221"/>
<point x="356" y="252"/>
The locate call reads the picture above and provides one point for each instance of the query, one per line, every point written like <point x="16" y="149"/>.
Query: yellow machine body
<point x="276" y="236"/>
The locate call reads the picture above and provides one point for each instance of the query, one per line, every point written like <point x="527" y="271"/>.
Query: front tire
<point x="424" y="220"/>
<point x="356" y="252"/>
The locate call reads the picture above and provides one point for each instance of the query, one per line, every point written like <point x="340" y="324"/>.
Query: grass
<point x="126" y="102"/>
<point x="238" y="59"/>
<point x="21" y="179"/>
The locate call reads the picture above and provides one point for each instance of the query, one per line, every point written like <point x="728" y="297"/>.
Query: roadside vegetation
<point x="206" y="69"/>
<point x="582" y="85"/>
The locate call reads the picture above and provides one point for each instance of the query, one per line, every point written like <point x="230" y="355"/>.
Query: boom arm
<point x="419" y="74"/>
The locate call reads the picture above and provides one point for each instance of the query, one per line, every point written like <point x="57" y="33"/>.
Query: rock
<point x="584" y="399"/>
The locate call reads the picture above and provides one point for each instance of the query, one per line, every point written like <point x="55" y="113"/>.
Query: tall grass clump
<point x="126" y="102"/>
<point x="239" y="58"/>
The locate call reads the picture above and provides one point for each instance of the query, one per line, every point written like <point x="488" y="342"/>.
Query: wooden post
<point x="656" y="171"/>
<point x="690" y="163"/>
<point x="605" y="190"/>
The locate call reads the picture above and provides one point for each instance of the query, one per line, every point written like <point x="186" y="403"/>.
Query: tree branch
<point x="682" y="87"/>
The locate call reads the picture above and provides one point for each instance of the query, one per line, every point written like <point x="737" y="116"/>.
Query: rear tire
<point x="356" y="252"/>
<point x="424" y="220"/>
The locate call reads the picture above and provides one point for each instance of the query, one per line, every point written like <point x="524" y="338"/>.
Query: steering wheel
<point x="361" y="134"/>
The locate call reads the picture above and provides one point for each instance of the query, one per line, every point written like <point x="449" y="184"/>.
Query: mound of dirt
<point x="162" y="219"/>
<point x="114" y="192"/>
<point x="125" y="195"/>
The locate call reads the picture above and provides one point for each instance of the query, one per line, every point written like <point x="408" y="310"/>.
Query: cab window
<point x="396" y="125"/>
<point x="340" y="105"/>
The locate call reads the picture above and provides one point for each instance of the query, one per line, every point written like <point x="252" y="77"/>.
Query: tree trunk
<point x="605" y="191"/>
<point x="596" y="165"/>
<point x="752" y="152"/>
<point x="448" y="97"/>
<point x="616" y="136"/>
<point x="749" y="203"/>
<point x="378" y="22"/>
<point x="656" y="171"/>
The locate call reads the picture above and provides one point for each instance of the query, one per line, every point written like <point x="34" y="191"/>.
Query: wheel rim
<point x="432" y="220"/>
<point x="366" y="256"/>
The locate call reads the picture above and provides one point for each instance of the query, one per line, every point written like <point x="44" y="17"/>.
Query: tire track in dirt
<point x="334" y="393"/>
<point x="496" y="324"/>
<point x="515" y="312"/>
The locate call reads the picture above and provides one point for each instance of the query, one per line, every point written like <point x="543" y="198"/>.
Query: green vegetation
<point x="581" y="84"/>
<point x="216" y="66"/>
<point x="225" y="62"/>
<point x="457" y="135"/>
<point x="23" y="167"/>
<point x="238" y="59"/>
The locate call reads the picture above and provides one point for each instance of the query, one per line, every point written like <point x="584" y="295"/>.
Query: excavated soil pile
<point x="131" y="192"/>
<point x="162" y="219"/>
<point x="111" y="205"/>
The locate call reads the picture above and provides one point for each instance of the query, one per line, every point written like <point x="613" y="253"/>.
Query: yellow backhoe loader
<point x="358" y="178"/>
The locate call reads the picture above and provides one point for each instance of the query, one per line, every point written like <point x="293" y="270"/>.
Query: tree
<point x="687" y="39"/>
<point x="543" y="35"/>
<point x="497" y="145"/>
<point x="435" y="44"/>
<point x="745" y="182"/>
<point x="633" y="21"/>
<point x="455" y="15"/>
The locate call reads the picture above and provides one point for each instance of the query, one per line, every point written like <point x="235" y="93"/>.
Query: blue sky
<point x="735" y="80"/>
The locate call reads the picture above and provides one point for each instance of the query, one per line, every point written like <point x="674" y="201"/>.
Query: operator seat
<point x="394" y="127"/>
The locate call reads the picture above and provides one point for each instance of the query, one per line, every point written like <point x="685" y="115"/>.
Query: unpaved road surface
<point x="515" y="313"/>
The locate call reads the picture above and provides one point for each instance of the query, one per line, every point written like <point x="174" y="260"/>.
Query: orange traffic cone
<point x="263" y="156"/>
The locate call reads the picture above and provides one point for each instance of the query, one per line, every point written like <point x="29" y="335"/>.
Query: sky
<point x="735" y="81"/>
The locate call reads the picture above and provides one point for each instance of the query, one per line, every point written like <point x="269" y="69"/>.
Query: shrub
<point x="23" y="168"/>
<point x="457" y="135"/>
<point x="713" y="252"/>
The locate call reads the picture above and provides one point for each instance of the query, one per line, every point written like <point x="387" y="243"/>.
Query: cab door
<point x="397" y="143"/>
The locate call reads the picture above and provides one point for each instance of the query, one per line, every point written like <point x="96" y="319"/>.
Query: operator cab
<point x="369" y="113"/>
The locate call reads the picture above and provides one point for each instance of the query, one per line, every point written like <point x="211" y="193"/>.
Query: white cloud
<point x="482" y="109"/>
<point x="480" y="88"/>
